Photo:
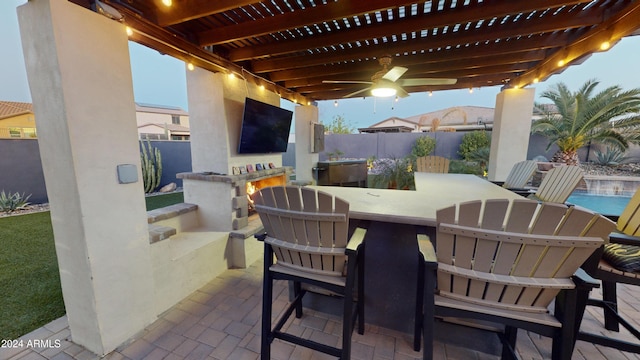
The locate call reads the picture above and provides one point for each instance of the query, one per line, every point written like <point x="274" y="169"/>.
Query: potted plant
<point x="393" y="174"/>
<point x="336" y="154"/>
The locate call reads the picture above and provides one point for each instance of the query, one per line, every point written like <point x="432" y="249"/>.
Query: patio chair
<point x="307" y="231"/>
<point x="432" y="164"/>
<point x="558" y="184"/>
<point x="505" y="263"/>
<point x="519" y="176"/>
<point x="617" y="262"/>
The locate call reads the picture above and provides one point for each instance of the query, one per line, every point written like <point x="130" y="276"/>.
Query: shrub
<point x="393" y="174"/>
<point x="465" y="167"/>
<point x="480" y="156"/>
<point x="473" y="141"/>
<point x="610" y="157"/>
<point x="423" y="146"/>
<point x="12" y="202"/>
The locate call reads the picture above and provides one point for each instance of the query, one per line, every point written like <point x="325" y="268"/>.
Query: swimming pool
<point x="608" y="205"/>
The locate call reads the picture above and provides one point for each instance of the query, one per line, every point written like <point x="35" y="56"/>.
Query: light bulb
<point x="190" y="66"/>
<point x="129" y="31"/>
<point x="383" y="92"/>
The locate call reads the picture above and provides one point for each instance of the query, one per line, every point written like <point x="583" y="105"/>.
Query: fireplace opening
<point x="253" y="186"/>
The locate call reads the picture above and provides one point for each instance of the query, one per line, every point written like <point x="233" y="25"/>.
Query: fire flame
<point x="251" y="188"/>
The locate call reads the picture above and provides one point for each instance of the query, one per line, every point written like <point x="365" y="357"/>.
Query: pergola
<point x="299" y="48"/>
<point x="115" y="282"/>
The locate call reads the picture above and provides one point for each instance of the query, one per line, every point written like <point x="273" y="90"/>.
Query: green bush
<point x="12" y="202"/>
<point x="610" y="157"/>
<point x="423" y="146"/>
<point x="465" y="167"/>
<point x="473" y="141"/>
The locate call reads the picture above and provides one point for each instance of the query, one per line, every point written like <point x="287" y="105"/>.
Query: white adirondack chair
<point x="505" y="263"/>
<point x="307" y="230"/>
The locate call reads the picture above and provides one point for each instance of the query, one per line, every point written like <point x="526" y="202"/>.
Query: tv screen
<point x="265" y="128"/>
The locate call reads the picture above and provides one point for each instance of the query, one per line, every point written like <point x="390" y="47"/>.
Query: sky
<point x="160" y="79"/>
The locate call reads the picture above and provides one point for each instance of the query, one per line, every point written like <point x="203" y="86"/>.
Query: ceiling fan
<point x="387" y="82"/>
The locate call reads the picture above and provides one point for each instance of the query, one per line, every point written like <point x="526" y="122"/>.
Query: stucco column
<point x="511" y="128"/>
<point x="306" y="117"/>
<point x="80" y="79"/>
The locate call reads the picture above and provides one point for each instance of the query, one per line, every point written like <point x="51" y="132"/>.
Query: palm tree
<point x="610" y="117"/>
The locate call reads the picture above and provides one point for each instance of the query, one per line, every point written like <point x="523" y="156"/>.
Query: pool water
<point x="607" y="205"/>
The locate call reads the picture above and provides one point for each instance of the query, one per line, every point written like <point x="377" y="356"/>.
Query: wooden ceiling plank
<point x="549" y="40"/>
<point x="150" y="35"/>
<point x="347" y="70"/>
<point x="428" y="21"/>
<point x="624" y="23"/>
<point x="288" y="20"/>
<point x="185" y="10"/>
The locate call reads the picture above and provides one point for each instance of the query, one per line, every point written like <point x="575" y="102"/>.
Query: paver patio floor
<point x="222" y="321"/>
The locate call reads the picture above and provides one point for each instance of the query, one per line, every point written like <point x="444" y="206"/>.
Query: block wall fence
<point x="21" y="168"/>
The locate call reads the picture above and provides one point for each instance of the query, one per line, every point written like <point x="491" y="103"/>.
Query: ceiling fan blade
<point x="395" y="73"/>
<point x="401" y="92"/>
<point x="356" y="93"/>
<point x="346" y="82"/>
<point x="427" y="81"/>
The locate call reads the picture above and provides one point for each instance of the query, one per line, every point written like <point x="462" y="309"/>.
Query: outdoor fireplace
<point x="209" y="192"/>
<point x="254" y="185"/>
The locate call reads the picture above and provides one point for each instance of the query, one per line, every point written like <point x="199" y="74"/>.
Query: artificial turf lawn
<point x="158" y="201"/>
<point x="29" y="279"/>
<point x="30" y="292"/>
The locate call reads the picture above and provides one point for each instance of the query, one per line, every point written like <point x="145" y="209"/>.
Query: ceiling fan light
<point x="383" y="91"/>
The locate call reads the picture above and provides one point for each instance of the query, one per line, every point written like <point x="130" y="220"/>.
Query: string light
<point x="536" y="80"/>
<point x="335" y="103"/>
<point x="430" y="93"/>
<point x="167" y="3"/>
<point x="470" y="90"/>
<point x="397" y="99"/>
<point x="605" y="46"/>
<point x="129" y="31"/>
<point x="190" y="67"/>
<point x="561" y="63"/>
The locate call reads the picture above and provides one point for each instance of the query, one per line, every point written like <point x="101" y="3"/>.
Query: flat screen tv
<point x="265" y="128"/>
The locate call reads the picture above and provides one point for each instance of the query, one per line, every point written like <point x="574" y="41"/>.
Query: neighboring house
<point x="159" y="122"/>
<point x="163" y="132"/>
<point x="17" y="120"/>
<point x="458" y="118"/>
<point x="154" y="122"/>
<point x="392" y="124"/>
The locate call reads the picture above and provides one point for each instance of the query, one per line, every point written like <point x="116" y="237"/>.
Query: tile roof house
<point x="458" y="118"/>
<point x="17" y="120"/>
<point x="154" y="121"/>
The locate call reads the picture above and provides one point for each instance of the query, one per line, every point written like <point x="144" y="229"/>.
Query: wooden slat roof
<point x="291" y="46"/>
